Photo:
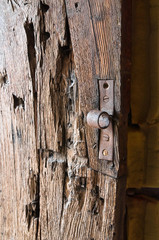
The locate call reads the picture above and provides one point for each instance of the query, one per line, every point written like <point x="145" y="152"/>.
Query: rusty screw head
<point x="106" y="99"/>
<point x="106" y="137"/>
<point x="105" y="152"/>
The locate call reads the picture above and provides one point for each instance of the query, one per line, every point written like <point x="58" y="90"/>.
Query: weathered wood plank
<point x="18" y="159"/>
<point x="96" y="38"/>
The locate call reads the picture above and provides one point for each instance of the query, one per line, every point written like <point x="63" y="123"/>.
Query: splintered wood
<point x="51" y="184"/>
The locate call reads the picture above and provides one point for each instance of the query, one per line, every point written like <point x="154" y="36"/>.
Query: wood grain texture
<point x="95" y="28"/>
<point x="18" y="159"/>
<point x="52" y="54"/>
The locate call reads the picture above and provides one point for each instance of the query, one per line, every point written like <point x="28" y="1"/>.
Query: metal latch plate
<point x="106" y="89"/>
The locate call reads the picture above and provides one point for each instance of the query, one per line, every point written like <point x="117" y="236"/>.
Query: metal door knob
<point x="98" y="119"/>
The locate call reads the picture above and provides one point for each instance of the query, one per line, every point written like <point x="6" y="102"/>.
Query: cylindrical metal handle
<point x="98" y="119"/>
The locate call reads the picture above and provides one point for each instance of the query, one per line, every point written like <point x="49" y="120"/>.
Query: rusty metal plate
<point x="106" y="89"/>
<point x="106" y="143"/>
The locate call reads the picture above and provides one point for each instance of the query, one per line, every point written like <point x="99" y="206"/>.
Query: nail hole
<point x="76" y="5"/>
<point x="105" y="85"/>
<point x="44" y="7"/>
<point x="46" y="36"/>
<point x="18" y="102"/>
<point x="3" y="78"/>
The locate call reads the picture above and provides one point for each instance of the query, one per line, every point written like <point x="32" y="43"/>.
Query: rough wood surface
<point x="52" y="54"/>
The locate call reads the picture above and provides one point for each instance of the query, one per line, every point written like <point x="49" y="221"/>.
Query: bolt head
<point x="106" y="137"/>
<point x="105" y="152"/>
<point x="106" y="99"/>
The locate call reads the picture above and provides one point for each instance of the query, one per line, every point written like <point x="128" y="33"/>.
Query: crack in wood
<point x="12" y="5"/>
<point x="18" y="102"/>
<point x="33" y="208"/>
<point x="3" y="78"/>
<point x="29" y="30"/>
<point x="44" y="36"/>
<point x="44" y="7"/>
<point x="35" y="183"/>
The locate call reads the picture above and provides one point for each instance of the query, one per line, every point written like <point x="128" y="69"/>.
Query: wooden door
<point x="52" y="54"/>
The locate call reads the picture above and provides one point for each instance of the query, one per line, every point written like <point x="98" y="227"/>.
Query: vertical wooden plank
<point x="77" y="201"/>
<point x="18" y="159"/>
<point x="96" y="39"/>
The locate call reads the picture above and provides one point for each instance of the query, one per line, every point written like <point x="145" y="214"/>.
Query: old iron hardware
<point x="98" y="119"/>
<point x="102" y="119"/>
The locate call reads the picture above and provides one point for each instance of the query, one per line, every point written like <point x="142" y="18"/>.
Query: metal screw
<point x="94" y="146"/>
<point x="105" y="152"/>
<point x="106" y="98"/>
<point x="106" y="137"/>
